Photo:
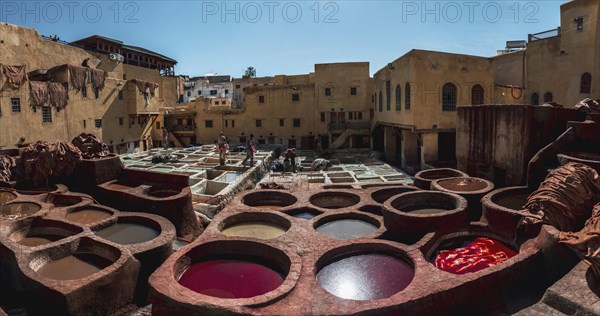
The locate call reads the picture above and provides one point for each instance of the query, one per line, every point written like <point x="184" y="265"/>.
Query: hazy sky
<point x="289" y="37"/>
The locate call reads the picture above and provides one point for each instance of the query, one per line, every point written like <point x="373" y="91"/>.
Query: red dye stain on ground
<point x="480" y="254"/>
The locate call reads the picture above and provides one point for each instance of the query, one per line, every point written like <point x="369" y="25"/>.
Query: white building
<point x="208" y="86"/>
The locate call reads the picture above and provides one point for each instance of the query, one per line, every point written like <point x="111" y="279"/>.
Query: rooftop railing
<point x="544" y="35"/>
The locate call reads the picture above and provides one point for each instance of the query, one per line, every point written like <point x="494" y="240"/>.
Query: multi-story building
<point x="332" y="103"/>
<point x="120" y="113"/>
<point x="208" y="86"/>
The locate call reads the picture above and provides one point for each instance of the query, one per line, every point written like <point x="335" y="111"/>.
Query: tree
<point x="250" y="72"/>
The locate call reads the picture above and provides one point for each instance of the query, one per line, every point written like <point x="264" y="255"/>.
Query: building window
<point x="237" y="86"/>
<point x="226" y="123"/>
<point x="380" y="101"/>
<point x="261" y="99"/>
<point x="258" y="123"/>
<point x="46" y="114"/>
<point x="535" y="99"/>
<point x="121" y="95"/>
<point x="199" y="92"/>
<point x="189" y="93"/>
<point x="281" y="122"/>
<point x="232" y="123"/>
<point x="398" y="98"/>
<point x="328" y="92"/>
<point x="388" y="94"/>
<point x="579" y="21"/>
<point x="477" y="95"/>
<point x="353" y="91"/>
<point x="407" y="96"/>
<point x="208" y="123"/>
<point x="360" y="115"/>
<point x="98" y="123"/>
<point x="295" y="97"/>
<point x="586" y="83"/>
<point x="449" y="97"/>
<point x="179" y="121"/>
<point x="157" y="125"/>
<point x="84" y="123"/>
<point x="121" y="121"/>
<point x="213" y="92"/>
<point x="226" y="91"/>
<point x="373" y="98"/>
<point x="296" y="122"/>
<point x="15" y="104"/>
<point x="322" y="116"/>
<point x="216" y="102"/>
<point x="548" y="97"/>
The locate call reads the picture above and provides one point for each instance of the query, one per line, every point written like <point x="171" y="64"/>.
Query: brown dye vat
<point x="6" y="197"/>
<point x="74" y="267"/>
<point x="39" y="240"/>
<point x="33" y="190"/>
<point x="428" y="211"/>
<point x="382" y="195"/>
<point x="463" y="184"/>
<point x="334" y="200"/>
<point x="161" y="192"/>
<point x="128" y="233"/>
<point x="269" y="199"/>
<point x="62" y="200"/>
<point x="260" y="230"/>
<point x="19" y="209"/>
<point x="89" y="216"/>
<point x="424" y="178"/>
<point x="116" y="186"/>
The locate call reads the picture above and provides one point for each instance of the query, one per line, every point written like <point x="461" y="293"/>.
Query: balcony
<point x="544" y="35"/>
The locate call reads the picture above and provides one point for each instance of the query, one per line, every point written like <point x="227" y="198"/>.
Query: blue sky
<point x="289" y="37"/>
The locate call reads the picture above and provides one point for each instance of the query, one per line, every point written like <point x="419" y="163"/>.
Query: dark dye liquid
<point x="306" y="216"/>
<point x="128" y="233"/>
<point x="366" y="277"/>
<point x="230" y="278"/>
<point x="347" y="229"/>
<point x="16" y="210"/>
<point x="463" y="184"/>
<point x="74" y="267"/>
<point x="427" y="211"/>
<point x="6" y="197"/>
<point x="88" y="216"/>
<point x="38" y="240"/>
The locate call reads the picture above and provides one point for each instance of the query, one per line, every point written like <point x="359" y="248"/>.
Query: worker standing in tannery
<point x="223" y="146"/>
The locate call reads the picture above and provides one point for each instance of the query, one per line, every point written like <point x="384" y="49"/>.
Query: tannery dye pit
<point x="128" y="233"/>
<point x="74" y="267"/>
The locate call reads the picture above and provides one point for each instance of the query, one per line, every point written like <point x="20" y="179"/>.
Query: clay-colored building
<point x="563" y="64"/>
<point x="120" y="114"/>
<point x="285" y="110"/>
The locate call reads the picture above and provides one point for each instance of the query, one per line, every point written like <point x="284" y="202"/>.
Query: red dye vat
<point x="477" y="255"/>
<point x="230" y="278"/>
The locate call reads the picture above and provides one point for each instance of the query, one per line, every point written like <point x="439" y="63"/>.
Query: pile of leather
<point x="6" y="163"/>
<point x="158" y="158"/>
<point x="98" y="79"/>
<point x="45" y="93"/>
<point x="588" y="106"/>
<point x="45" y="159"/>
<point x="566" y="197"/>
<point x="586" y="242"/>
<point x="144" y="86"/>
<point x="90" y="146"/>
<point x="16" y="75"/>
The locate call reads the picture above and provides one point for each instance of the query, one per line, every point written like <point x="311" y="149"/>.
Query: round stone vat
<point x="364" y="271"/>
<point x="63" y="200"/>
<point x="124" y="184"/>
<point x="372" y="209"/>
<point x="346" y="226"/>
<point x="305" y="213"/>
<point x="88" y="215"/>
<point x="162" y="191"/>
<point x="334" y="199"/>
<point x="18" y="210"/>
<point x="80" y="276"/>
<point x="130" y="230"/>
<point x="410" y="215"/>
<point x="472" y="189"/>
<point x="590" y="159"/>
<point x="224" y="273"/>
<point x="30" y="189"/>
<point x="6" y="196"/>
<point x="424" y="178"/>
<point x="270" y="199"/>
<point x="381" y="195"/>
<point x="501" y="208"/>
<point x="469" y="253"/>
<point x="259" y="225"/>
<point x="148" y="237"/>
<point x="37" y="231"/>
